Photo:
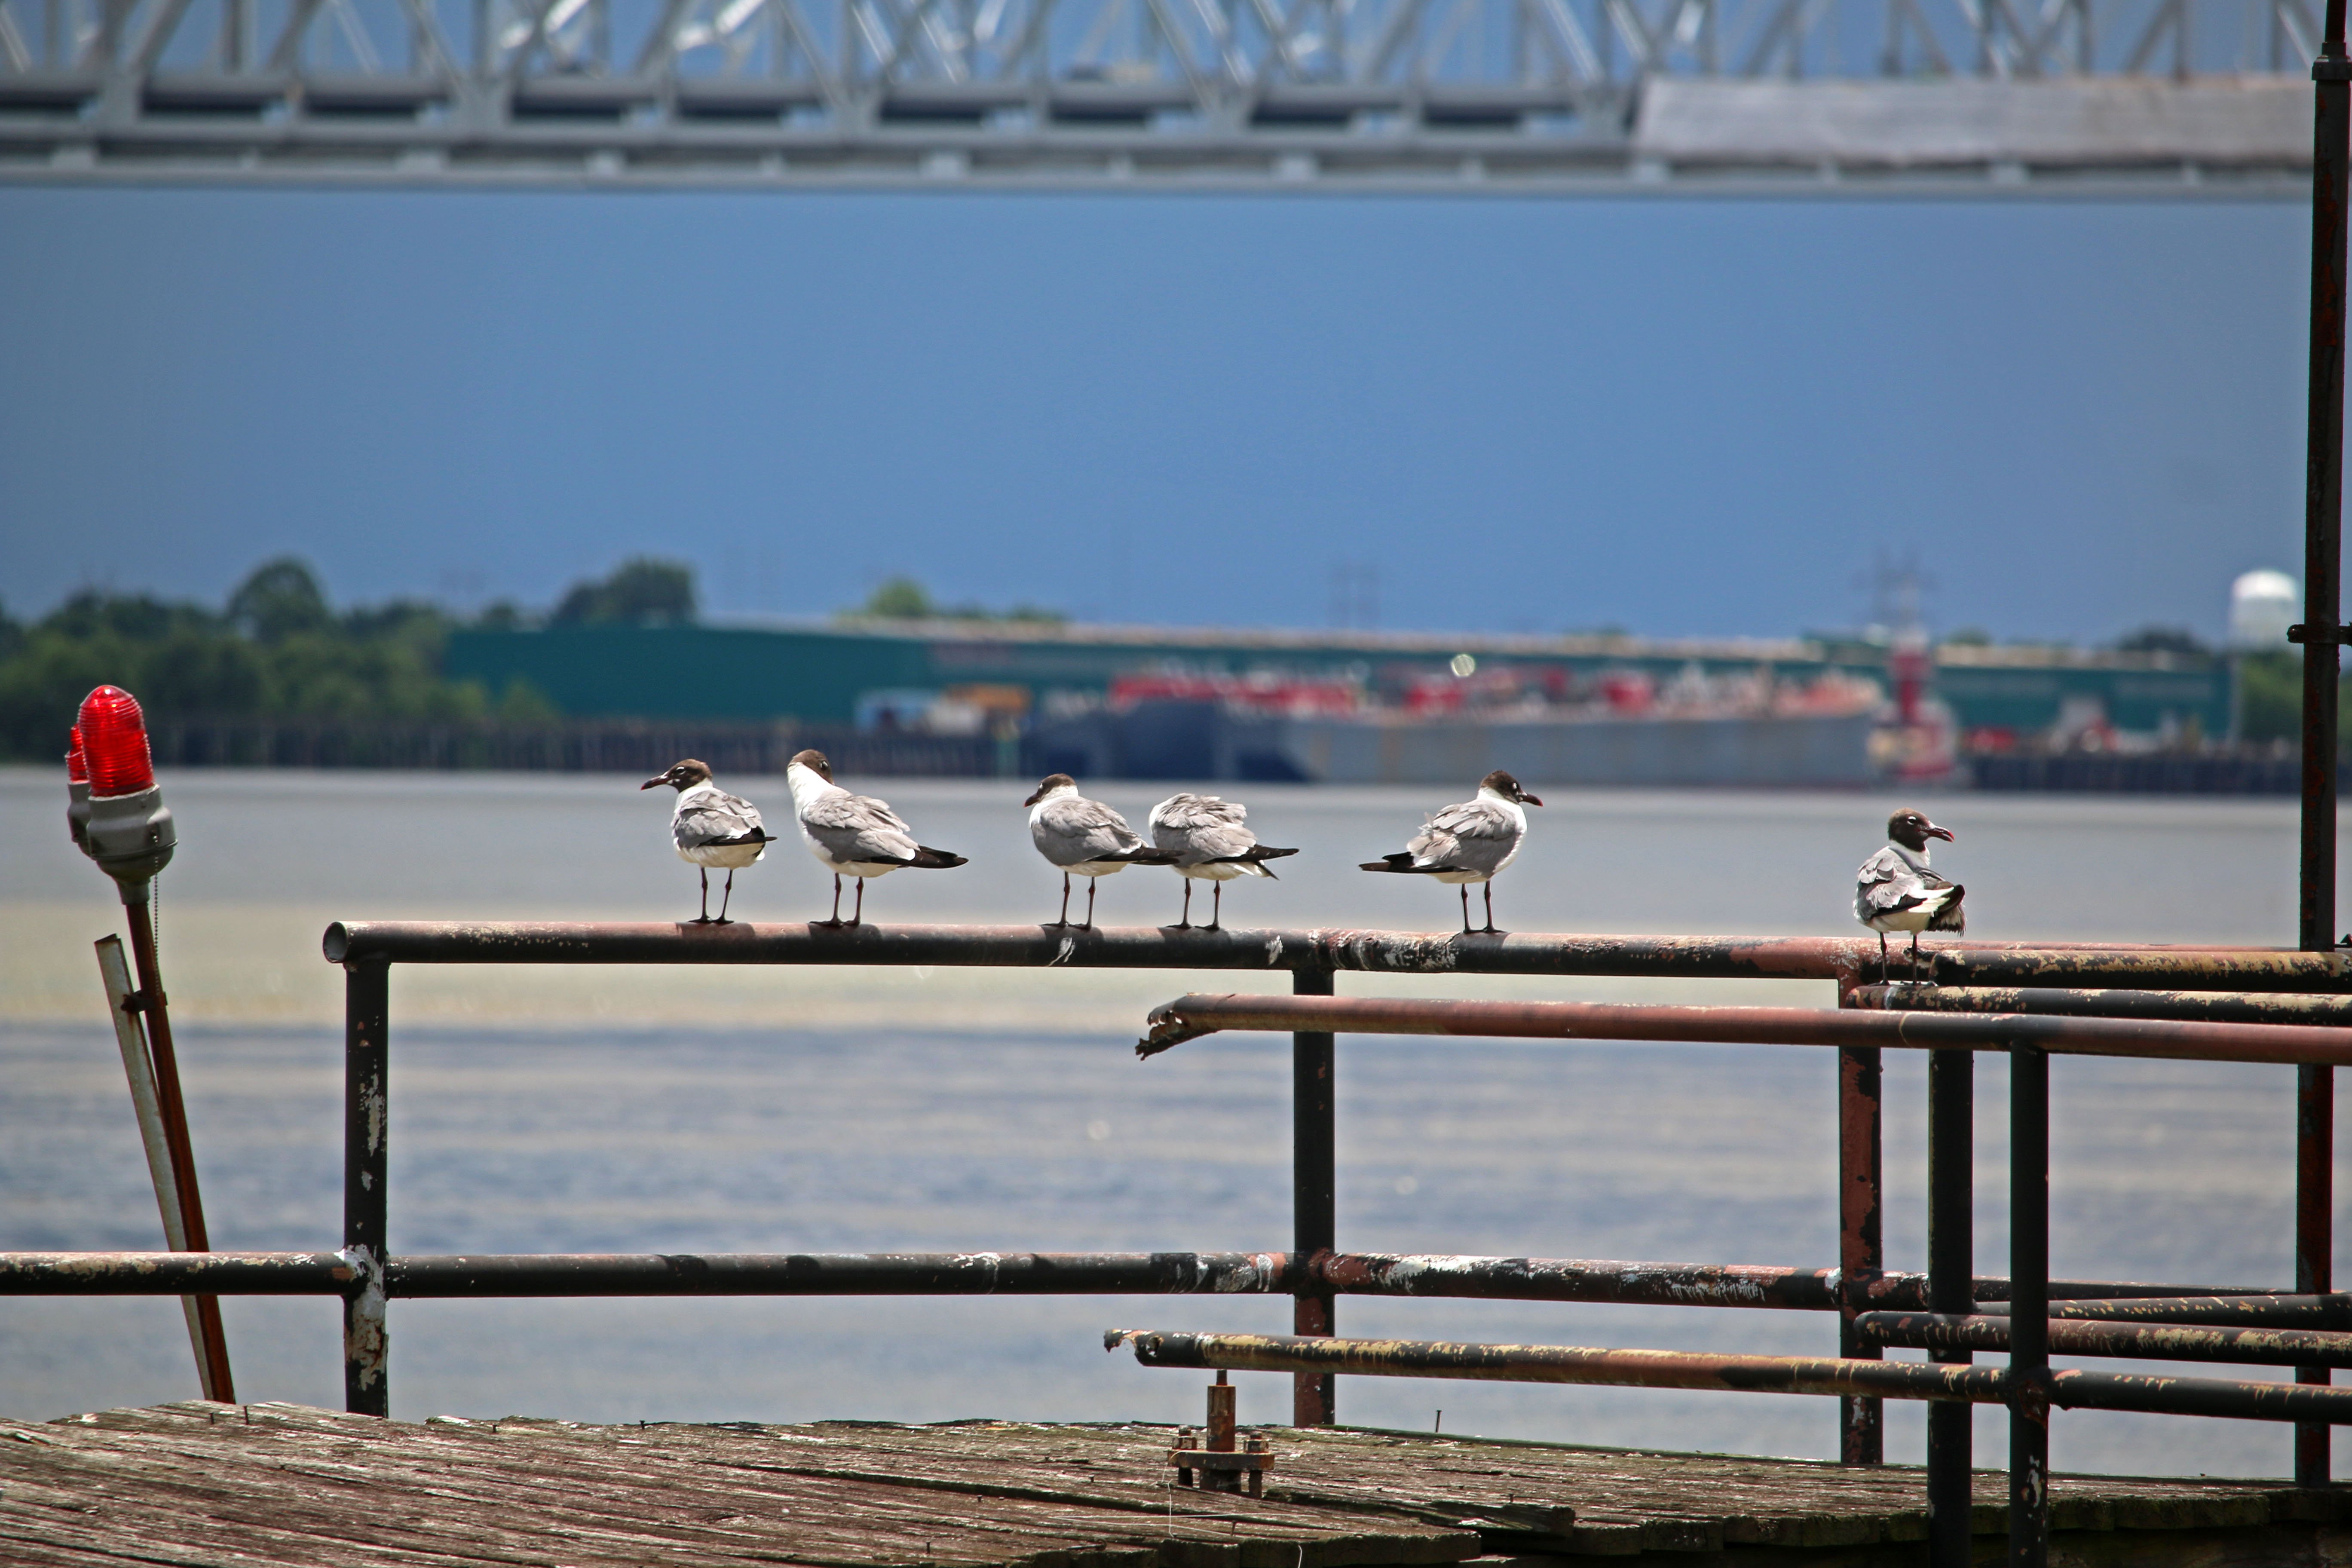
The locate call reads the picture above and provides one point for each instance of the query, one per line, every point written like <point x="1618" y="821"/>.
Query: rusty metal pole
<point x="1862" y="1256"/>
<point x="367" y="1008"/>
<point x="1314" y="1159"/>
<point x="1951" y="1284"/>
<point x="136" y="913"/>
<point x="2028" y="1307"/>
<point x="2321" y="636"/>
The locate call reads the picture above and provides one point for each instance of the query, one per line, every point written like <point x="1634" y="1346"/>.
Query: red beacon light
<point x="76" y="794"/>
<point x="129" y="833"/>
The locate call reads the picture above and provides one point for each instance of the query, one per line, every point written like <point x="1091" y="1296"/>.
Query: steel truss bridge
<point x="2162" y="98"/>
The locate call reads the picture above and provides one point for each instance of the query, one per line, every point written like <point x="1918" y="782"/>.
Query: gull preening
<point x="1895" y="891"/>
<point x="711" y="827"/>
<point x="1084" y="838"/>
<point x="1468" y="843"/>
<point x="1209" y="841"/>
<point x="854" y="835"/>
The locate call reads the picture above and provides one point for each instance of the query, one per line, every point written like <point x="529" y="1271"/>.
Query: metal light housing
<point x="130" y="832"/>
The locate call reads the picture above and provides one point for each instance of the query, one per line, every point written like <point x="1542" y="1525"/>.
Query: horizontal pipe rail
<point x="512" y="1274"/>
<point x="2240" y="1399"/>
<point x="2131" y="1341"/>
<point x="1389" y="952"/>
<point x="2250" y="1312"/>
<point x="1189" y="1018"/>
<point x="2209" y="1006"/>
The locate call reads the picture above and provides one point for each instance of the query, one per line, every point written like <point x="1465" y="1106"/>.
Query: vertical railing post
<point x="2028" y="1307"/>
<point x="2321" y="636"/>
<point x="1951" y="1288"/>
<point x="367" y="1009"/>
<point x="1861" y="1252"/>
<point x="1315" y="1160"/>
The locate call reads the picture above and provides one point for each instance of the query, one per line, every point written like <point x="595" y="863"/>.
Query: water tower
<point x="2263" y="605"/>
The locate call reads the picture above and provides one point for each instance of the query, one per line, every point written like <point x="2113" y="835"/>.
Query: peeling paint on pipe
<point x="2211" y="1006"/>
<point x="1189" y="1018"/>
<point x="2135" y="1342"/>
<point x="2240" y="1399"/>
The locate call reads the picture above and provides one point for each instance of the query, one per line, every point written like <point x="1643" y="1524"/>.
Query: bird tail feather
<point x="928" y="859"/>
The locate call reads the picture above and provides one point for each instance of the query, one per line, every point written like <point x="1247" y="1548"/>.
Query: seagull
<point x="1896" y="891"/>
<point x="1086" y="838"/>
<point x="852" y="833"/>
<point x="1470" y="842"/>
<point x="710" y="828"/>
<point x="1207" y="835"/>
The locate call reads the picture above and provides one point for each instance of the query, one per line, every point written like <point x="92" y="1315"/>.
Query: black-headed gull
<point x="1895" y="891"/>
<point x="711" y="827"/>
<point x="854" y="835"/>
<point x="1082" y="838"/>
<point x="1468" y="843"/>
<point x="1207" y="836"/>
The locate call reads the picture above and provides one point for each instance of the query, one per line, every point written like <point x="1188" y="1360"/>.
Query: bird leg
<point x="704" y="918"/>
<point x="1465" y="908"/>
<point x="857" y="917"/>
<point x="1091" y="882"/>
<point x="1490" y="904"/>
<point x="1886" y="973"/>
<point x="1066" y="901"/>
<point x="1216" y="906"/>
<point x="1913" y="973"/>
<point x="1186" y="923"/>
<point x="725" y="897"/>
<point x="835" y="920"/>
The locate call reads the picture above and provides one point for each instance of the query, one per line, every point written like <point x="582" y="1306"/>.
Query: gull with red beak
<point x="711" y="827"/>
<point x="1471" y="842"/>
<point x="1896" y="891"/>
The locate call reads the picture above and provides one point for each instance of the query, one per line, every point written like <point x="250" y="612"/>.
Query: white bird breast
<point x="727" y="857"/>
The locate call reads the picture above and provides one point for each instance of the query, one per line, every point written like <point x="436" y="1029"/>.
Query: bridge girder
<point x="1959" y="97"/>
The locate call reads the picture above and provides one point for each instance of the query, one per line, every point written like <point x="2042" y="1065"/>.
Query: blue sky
<point x="1675" y="417"/>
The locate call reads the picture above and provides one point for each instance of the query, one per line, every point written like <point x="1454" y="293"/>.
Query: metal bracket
<point x="2299" y="632"/>
<point x="141" y="1001"/>
<point x="2325" y="68"/>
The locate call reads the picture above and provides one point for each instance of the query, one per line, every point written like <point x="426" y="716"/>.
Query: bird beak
<point x="1526" y="799"/>
<point x="1034" y="798"/>
<point x="665" y="779"/>
<point x="1932" y="831"/>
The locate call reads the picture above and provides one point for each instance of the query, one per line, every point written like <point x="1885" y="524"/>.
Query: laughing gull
<point x="1470" y="842"/>
<point x="1207" y="835"/>
<point x="1896" y="891"/>
<point x="853" y="835"/>
<point x="710" y="828"/>
<point x="1086" y="838"/>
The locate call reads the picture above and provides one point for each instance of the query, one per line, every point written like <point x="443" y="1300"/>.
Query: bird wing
<point x="1887" y="884"/>
<point x="858" y="827"/>
<point x="1202" y="827"/>
<point x="1072" y="830"/>
<point x="717" y="818"/>
<point x="1475" y="836"/>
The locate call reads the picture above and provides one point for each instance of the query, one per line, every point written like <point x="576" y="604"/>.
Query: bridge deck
<point x="198" y="1484"/>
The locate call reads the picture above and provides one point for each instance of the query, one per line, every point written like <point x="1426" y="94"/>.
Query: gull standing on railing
<point x="854" y="835"/>
<point x="1207" y="835"/>
<point x="710" y="828"/>
<point x="1896" y="891"/>
<point x="1468" y="843"/>
<point x="1086" y="838"/>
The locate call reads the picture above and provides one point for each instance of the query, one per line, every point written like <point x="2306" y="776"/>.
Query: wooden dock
<point x="210" y="1485"/>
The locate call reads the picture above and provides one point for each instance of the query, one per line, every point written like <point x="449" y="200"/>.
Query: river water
<point x="854" y="1110"/>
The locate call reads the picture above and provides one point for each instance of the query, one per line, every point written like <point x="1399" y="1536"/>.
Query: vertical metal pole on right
<point x="1315" y="1161"/>
<point x="2028" y="1307"/>
<point x="367" y="1014"/>
<point x="2321" y="634"/>
<point x="1951" y="1288"/>
<point x="1862" y="1258"/>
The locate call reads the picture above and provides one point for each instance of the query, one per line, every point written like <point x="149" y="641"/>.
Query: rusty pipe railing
<point x="513" y="1275"/>
<point x="2242" y="1399"/>
<point x="1189" y="1018"/>
<point x="2205" y="1006"/>
<point x="2165" y="1340"/>
<point x="1844" y="959"/>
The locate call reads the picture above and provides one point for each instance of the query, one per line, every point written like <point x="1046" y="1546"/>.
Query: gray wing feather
<point x="858" y="827"/>
<point x="1072" y="830"/>
<point x="1887" y="884"/>
<point x="715" y="819"/>
<point x="1202" y="827"/>
<point x="1471" y="837"/>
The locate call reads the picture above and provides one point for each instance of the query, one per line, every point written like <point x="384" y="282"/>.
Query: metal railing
<point x="1947" y="1310"/>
